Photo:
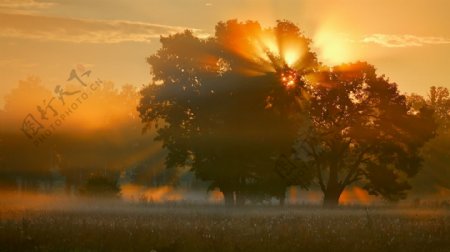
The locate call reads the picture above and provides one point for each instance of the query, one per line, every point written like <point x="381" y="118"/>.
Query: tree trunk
<point x="332" y="193"/>
<point x="331" y="198"/>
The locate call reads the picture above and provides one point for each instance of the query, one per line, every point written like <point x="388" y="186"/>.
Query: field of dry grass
<point x="216" y="228"/>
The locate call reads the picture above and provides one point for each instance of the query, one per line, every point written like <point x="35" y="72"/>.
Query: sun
<point x="291" y="56"/>
<point x="289" y="52"/>
<point x="278" y="50"/>
<point x="333" y="47"/>
<point x="283" y="59"/>
<point x="289" y="77"/>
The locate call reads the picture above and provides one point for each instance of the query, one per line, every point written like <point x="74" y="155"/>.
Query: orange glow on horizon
<point x="355" y="195"/>
<point x="216" y="196"/>
<point x="293" y="194"/>
<point x="132" y="192"/>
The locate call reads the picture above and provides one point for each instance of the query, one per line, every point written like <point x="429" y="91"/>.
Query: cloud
<point x="48" y="28"/>
<point x="406" y="40"/>
<point x="25" y="4"/>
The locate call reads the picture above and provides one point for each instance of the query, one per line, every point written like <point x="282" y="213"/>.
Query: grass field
<point x="216" y="228"/>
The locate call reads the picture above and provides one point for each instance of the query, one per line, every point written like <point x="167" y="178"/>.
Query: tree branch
<point x="352" y="175"/>
<point x="319" y="175"/>
<point x="318" y="171"/>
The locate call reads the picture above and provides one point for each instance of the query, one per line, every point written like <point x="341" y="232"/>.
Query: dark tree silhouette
<point x="363" y="132"/>
<point x="228" y="107"/>
<point x="436" y="155"/>
<point x="438" y="99"/>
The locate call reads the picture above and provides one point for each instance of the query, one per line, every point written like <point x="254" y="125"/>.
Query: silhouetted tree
<point x="438" y="99"/>
<point x="363" y="132"/>
<point x="223" y="107"/>
<point x="436" y="153"/>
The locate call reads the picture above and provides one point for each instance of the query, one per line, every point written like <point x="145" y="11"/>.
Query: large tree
<point x="362" y="132"/>
<point x="228" y="106"/>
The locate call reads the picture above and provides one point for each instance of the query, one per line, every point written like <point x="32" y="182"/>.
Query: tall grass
<point x="216" y="228"/>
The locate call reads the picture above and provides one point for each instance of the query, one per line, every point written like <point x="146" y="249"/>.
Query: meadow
<point x="95" y="227"/>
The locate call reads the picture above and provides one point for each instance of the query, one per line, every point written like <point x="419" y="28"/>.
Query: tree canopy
<point x="231" y="106"/>
<point x="225" y="108"/>
<point x="435" y="174"/>
<point x="362" y="131"/>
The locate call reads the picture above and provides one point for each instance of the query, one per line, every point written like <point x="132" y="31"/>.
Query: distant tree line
<point x="95" y="149"/>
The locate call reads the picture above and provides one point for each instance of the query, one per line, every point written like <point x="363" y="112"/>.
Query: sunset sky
<point x="408" y="40"/>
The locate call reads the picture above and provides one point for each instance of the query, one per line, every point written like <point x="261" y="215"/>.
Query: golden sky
<point x="408" y="40"/>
